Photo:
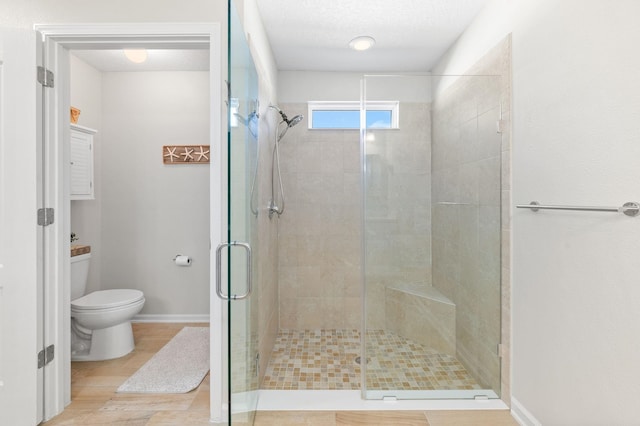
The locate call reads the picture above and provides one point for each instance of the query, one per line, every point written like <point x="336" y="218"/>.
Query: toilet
<point x="100" y="321"/>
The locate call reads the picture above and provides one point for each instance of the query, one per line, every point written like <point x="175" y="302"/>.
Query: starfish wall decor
<point x="184" y="154"/>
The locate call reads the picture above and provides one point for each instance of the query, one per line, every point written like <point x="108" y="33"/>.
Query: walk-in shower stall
<point x="385" y="274"/>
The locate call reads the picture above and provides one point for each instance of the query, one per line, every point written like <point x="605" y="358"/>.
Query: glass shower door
<point x="432" y="234"/>
<point x="236" y="254"/>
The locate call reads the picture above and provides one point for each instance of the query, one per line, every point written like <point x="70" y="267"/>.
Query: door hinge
<point x="46" y="355"/>
<point x="46" y="216"/>
<point x="45" y="77"/>
<point x="500" y="126"/>
<point x="500" y="350"/>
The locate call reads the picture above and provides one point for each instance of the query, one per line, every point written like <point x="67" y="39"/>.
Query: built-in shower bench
<point x="419" y="312"/>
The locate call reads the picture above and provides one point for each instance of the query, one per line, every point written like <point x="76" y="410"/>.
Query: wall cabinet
<point x="81" y="167"/>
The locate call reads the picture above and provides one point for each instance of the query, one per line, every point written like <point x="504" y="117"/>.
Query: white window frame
<point x="393" y="106"/>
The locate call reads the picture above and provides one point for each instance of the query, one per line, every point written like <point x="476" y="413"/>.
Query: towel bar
<point x="630" y="209"/>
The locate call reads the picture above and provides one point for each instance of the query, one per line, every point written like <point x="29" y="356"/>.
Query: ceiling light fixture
<point x="362" y="43"/>
<point x="136" y="56"/>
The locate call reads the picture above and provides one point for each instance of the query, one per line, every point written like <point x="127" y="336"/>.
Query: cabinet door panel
<point x="81" y="168"/>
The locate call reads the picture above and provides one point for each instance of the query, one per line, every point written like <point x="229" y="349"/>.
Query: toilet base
<point x="106" y="343"/>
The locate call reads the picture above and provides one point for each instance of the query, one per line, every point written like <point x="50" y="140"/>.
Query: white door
<point x="20" y="403"/>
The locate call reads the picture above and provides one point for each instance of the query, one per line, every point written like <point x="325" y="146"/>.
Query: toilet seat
<point x="106" y="300"/>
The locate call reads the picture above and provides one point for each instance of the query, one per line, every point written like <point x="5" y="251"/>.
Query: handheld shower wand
<point x="290" y="123"/>
<point x="275" y="162"/>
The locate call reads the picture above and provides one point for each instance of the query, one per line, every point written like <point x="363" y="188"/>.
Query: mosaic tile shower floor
<point x="326" y="359"/>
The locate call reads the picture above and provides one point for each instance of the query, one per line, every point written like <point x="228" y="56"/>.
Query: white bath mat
<point x="178" y="367"/>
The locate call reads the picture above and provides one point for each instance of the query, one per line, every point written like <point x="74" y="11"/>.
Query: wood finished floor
<point x="94" y="400"/>
<point x="384" y="418"/>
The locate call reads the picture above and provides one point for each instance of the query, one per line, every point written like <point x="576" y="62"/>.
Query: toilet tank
<point x="79" y="274"/>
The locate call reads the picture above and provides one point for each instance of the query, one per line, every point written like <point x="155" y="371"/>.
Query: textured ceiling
<point x="411" y="35"/>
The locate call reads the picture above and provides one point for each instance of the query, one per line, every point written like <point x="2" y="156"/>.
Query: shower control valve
<point x="273" y="209"/>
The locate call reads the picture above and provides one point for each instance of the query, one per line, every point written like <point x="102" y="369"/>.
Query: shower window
<point x="346" y="115"/>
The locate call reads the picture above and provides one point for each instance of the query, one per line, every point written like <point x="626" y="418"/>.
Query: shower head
<point x="295" y="120"/>
<point x="290" y="123"/>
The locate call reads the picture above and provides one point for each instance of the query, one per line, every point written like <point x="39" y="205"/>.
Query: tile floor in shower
<point x="326" y="359"/>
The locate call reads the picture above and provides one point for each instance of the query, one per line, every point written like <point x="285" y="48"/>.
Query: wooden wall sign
<point x="183" y="154"/>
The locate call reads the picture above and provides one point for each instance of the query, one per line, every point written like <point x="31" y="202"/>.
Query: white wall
<point x="260" y="48"/>
<point x="303" y="86"/>
<point x="22" y="14"/>
<point x="152" y="211"/>
<point x="131" y="243"/>
<point x="86" y="95"/>
<point x="575" y="123"/>
<point x="491" y="25"/>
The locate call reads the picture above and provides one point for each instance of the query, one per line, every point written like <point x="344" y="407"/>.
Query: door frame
<point x="57" y="40"/>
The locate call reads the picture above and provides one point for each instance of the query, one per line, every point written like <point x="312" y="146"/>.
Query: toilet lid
<point x="107" y="299"/>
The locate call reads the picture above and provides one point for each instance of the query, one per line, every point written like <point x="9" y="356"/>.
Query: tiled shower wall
<point x="468" y="155"/>
<point x="398" y="207"/>
<point x="319" y="232"/>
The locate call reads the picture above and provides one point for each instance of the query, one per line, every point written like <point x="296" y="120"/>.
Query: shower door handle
<point x="219" y="291"/>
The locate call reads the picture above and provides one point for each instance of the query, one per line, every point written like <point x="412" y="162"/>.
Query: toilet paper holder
<point x="182" y="260"/>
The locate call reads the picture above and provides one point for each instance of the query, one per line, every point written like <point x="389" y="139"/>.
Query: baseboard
<point x="522" y="415"/>
<point x="170" y="318"/>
